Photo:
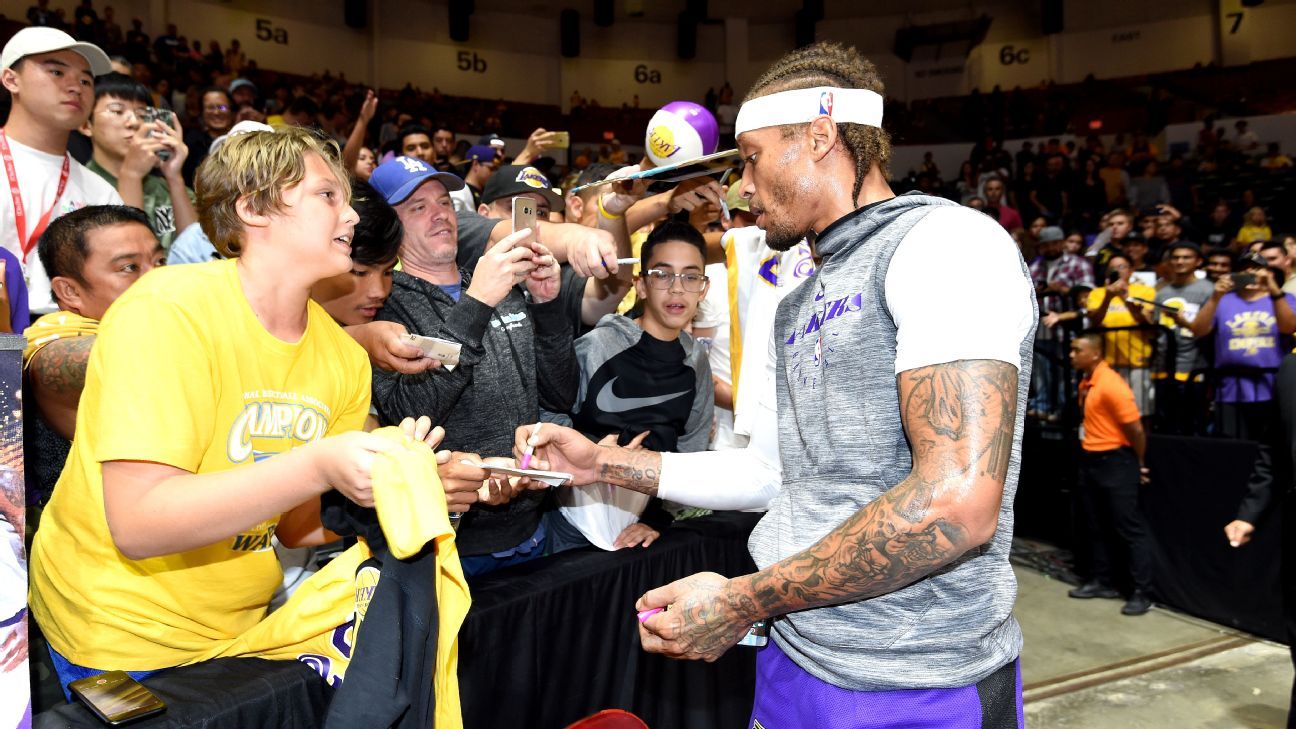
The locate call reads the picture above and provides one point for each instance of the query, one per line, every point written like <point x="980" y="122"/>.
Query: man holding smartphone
<point x="1252" y="319"/>
<point x="516" y="351"/>
<point x="127" y="149"/>
<point x="585" y="299"/>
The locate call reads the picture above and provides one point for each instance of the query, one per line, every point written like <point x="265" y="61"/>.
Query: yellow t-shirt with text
<point x="182" y="374"/>
<point x="1128" y="347"/>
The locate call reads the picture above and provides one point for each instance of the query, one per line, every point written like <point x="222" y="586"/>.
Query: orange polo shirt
<point x="1108" y="404"/>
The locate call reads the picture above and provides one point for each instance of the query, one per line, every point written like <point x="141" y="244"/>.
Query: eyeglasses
<point x="659" y="279"/>
<point x="216" y="107"/>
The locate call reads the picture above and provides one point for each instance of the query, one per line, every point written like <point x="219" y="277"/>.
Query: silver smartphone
<point x="524" y="216"/>
<point x="758" y="636"/>
<point x="116" y="698"/>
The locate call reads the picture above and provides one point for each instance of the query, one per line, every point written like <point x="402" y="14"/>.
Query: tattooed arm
<point x="563" y="449"/>
<point x="57" y="376"/>
<point x="959" y="418"/>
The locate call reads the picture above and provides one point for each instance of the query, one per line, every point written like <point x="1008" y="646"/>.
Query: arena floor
<point x="1087" y="666"/>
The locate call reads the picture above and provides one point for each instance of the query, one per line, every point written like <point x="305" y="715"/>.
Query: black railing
<point x="1201" y="401"/>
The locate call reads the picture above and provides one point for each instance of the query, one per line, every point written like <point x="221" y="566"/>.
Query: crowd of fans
<point x="1114" y="242"/>
<point x="549" y="324"/>
<point x="1166" y="297"/>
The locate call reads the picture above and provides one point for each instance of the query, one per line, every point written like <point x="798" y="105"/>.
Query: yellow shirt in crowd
<point x="182" y="374"/>
<point x="1249" y="234"/>
<point x="1127" y="348"/>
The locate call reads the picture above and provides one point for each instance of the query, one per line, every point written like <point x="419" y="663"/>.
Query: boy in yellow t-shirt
<point x="219" y="404"/>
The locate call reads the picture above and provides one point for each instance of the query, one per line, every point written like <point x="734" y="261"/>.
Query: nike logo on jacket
<point x="609" y="402"/>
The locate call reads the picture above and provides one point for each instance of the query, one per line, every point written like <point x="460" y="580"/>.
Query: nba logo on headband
<point x="794" y="106"/>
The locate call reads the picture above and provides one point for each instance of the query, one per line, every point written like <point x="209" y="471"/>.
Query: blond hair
<point x="256" y="167"/>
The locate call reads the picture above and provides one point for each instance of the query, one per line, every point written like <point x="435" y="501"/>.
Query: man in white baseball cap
<point x="50" y="76"/>
<point x="37" y="41"/>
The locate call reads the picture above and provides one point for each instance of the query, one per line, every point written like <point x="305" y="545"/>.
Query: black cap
<point x="1251" y="260"/>
<point x="513" y="180"/>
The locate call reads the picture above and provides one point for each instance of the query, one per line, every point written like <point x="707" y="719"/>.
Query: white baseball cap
<point x="247" y="126"/>
<point x="32" y="41"/>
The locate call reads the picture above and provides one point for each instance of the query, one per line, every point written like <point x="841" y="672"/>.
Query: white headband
<point x="798" y="106"/>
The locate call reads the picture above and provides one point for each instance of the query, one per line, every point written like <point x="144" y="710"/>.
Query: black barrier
<point x="553" y="640"/>
<point x="1170" y="402"/>
<point x="544" y="644"/>
<point x="1202" y="452"/>
<point x="1137" y="353"/>
<point x="1197" y="484"/>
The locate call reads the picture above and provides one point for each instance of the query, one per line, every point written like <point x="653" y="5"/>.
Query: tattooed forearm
<point x="637" y="470"/>
<point x="59" y="369"/>
<point x="959" y="418"/>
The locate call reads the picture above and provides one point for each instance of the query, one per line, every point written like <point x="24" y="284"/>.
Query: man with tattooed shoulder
<point x="901" y="389"/>
<point x="91" y="256"/>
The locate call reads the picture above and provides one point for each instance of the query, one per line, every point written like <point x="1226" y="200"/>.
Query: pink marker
<point x="645" y="614"/>
<point x="526" y="452"/>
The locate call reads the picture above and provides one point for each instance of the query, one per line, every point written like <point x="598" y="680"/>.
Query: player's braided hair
<point x="832" y="64"/>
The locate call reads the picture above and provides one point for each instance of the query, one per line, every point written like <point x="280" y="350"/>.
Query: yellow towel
<point x="412" y="511"/>
<point x="319" y="622"/>
<point x="56" y="325"/>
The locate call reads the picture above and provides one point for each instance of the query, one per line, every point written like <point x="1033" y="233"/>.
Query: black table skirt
<point x="546" y="643"/>
<point x="554" y="640"/>
<point x="242" y="693"/>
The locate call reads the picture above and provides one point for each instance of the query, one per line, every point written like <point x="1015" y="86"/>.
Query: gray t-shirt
<point x="1189" y="298"/>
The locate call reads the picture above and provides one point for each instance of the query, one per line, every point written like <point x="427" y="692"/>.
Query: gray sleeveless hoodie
<point x="842" y="445"/>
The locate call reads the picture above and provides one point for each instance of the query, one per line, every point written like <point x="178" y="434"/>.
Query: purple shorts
<point x="787" y="697"/>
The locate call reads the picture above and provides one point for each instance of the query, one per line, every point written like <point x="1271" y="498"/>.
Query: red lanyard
<point x="28" y="242"/>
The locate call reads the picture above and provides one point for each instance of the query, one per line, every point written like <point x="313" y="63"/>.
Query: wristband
<point x="1278" y="295"/>
<point x="604" y="213"/>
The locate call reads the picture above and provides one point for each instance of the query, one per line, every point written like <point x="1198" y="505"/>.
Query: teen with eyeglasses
<point x="643" y="380"/>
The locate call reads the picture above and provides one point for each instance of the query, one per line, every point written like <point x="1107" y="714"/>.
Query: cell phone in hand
<point x="1113" y="277"/>
<point x="758" y="636"/>
<point x="116" y="698"/>
<point x="524" y="216"/>
<point x="1242" y="280"/>
<point x="150" y="114"/>
<point x="561" y="140"/>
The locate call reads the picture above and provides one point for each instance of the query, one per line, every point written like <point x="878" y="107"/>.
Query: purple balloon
<point x="701" y="120"/>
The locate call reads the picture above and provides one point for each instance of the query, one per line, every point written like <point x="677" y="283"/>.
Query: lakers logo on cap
<point x="661" y="140"/>
<point x="826" y="103"/>
<point x="531" y="177"/>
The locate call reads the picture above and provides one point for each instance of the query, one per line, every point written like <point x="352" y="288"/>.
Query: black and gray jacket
<point x="632" y="382"/>
<point x="516" y="359"/>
